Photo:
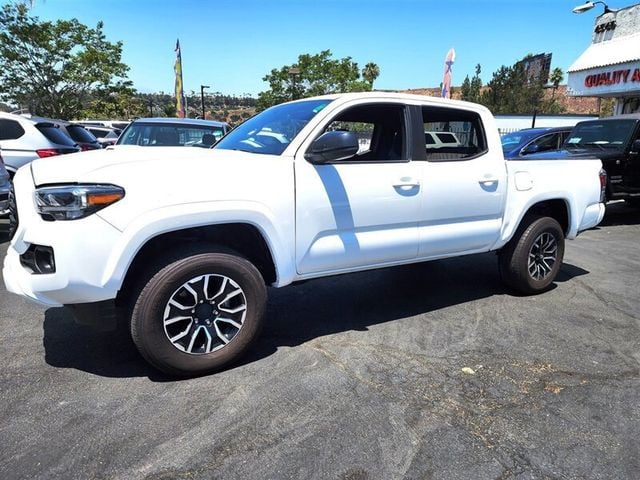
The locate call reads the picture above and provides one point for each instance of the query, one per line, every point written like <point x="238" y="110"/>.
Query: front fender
<point x="278" y="235"/>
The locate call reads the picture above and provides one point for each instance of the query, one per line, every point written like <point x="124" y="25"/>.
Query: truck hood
<point x="77" y="167"/>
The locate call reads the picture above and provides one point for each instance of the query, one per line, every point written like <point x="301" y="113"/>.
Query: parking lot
<point x="419" y="372"/>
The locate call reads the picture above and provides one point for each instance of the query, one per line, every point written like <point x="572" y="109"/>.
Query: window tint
<point x="459" y="134"/>
<point x="546" y="143"/>
<point x="10" y="129"/>
<point x="447" y="137"/>
<point x="380" y="129"/>
<point x="55" y="135"/>
<point x="428" y="139"/>
<point x="80" y="134"/>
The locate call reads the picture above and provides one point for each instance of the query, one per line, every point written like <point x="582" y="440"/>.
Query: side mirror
<point x="333" y="147"/>
<point x="635" y="147"/>
<point x="532" y="148"/>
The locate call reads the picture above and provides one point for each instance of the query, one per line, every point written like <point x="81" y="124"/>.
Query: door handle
<point x="487" y="180"/>
<point x="407" y="182"/>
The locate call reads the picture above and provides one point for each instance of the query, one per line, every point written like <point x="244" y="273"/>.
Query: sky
<point x="231" y="45"/>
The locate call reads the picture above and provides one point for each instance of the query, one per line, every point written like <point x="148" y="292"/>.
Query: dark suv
<point x="78" y="133"/>
<point x="615" y="141"/>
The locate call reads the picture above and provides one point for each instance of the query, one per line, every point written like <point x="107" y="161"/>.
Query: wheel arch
<point x="557" y="208"/>
<point x="242" y="238"/>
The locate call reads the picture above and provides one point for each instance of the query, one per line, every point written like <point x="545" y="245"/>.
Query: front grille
<point x="13" y="214"/>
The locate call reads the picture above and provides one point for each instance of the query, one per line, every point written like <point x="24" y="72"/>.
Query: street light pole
<point x="293" y="73"/>
<point x="589" y="5"/>
<point x="202" y="87"/>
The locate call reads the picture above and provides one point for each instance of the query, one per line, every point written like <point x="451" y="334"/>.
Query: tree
<point x="511" y="91"/>
<point x="471" y="89"/>
<point x="370" y="72"/>
<point x="557" y="75"/>
<point x="319" y="74"/>
<point x="55" y="68"/>
<point x="115" y="105"/>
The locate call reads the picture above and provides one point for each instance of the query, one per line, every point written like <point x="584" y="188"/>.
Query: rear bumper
<point x="593" y="215"/>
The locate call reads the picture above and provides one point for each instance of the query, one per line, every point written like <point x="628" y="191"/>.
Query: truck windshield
<point x="606" y="134"/>
<point x="271" y="131"/>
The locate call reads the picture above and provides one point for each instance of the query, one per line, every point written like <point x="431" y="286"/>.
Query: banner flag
<point x="446" y="79"/>
<point x="180" y="103"/>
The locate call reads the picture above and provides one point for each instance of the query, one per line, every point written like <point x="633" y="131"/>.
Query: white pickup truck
<point x="184" y="241"/>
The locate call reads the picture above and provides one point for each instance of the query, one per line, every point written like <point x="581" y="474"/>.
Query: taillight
<point x="84" y="147"/>
<point x="48" y="152"/>
<point x="603" y="185"/>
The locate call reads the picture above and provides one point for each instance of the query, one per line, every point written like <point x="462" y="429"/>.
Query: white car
<point x="441" y="139"/>
<point x="24" y="139"/>
<point x="186" y="254"/>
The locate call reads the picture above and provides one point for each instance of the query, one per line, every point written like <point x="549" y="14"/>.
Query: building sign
<point x="612" y="77"/>
<point x="605" y="27"/>
<point x="617" y="80"/>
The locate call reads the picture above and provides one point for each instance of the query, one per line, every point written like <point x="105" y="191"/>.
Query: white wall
<point x="510" y="123"/>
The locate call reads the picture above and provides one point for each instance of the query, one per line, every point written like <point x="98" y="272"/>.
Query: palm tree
<point x="557" y="75"/>
<point x="370" y="72"/>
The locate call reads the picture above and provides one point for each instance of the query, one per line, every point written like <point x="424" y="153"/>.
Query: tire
<point x="531" y="260"/>
<point x="199" y="313"/>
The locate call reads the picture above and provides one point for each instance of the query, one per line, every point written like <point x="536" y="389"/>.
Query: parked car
<point x="5" y="188"/>
<point x="78" y="133"/>
<point x="441" y="139"/>
<point x="23" y="140"/>
<point x="614" y="140"/>
<point x="105" y="135"/>
<point x="187" y="253"/>
<point x="156" y="132"/>
<point x="533" y="140"/>
<point x="115" y="124"/>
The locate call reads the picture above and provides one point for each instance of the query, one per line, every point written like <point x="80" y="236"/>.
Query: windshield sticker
<point x="574" y="140"/>
<point x="319" y="107"/>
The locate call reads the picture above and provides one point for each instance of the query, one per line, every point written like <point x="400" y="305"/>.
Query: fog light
<point x="39" y="259"/>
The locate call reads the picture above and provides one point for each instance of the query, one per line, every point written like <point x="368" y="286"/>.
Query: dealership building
<point x="610" y="66"/>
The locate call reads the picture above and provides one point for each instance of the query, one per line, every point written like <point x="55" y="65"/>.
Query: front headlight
<point x="70" y="202"/>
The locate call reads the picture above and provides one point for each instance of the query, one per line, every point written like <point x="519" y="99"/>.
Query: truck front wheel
<point x="199" y="313"/>
<point x="531" y="260"/>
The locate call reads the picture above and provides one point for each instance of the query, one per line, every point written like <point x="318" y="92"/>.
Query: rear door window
<point x="460" y="135"/>
<point x="80" y="134"/>
<point x="55" y="135"/>
<point x="10" y="129"/>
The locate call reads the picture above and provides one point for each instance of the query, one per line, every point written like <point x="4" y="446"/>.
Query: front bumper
<point x="82" y="249"/>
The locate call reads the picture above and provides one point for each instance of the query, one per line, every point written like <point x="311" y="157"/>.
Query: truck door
<point x="361" y="211"/>
<point x="463" y="186"/>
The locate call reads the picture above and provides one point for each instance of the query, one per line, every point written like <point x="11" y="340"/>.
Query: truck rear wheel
<point x="199" y="313"/>
<point x="531" y="260"/>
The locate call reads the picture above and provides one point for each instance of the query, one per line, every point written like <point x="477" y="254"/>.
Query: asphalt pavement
<point x="429" y="371"/>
